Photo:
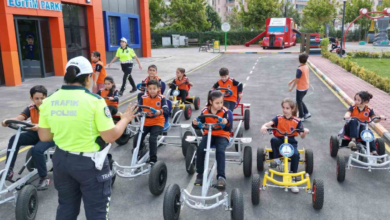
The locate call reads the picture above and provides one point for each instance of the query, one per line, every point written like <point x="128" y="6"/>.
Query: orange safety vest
<point x="183" y="86"/>
<point x="287" y="125"/>
<point x="363" y="115"/>
<point x="220" y="113"/>
<point x="303" y="82"/>
<point x="104" y="93"/>
<point x="102" y="74"/>
<point x="229" y="84"/>
<point x="156" y="104"/>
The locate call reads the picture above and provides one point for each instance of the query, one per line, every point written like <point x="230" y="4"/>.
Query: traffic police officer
<point x="80" y="123"/>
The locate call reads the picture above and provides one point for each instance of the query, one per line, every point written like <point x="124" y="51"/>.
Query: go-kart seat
<point x="167" y="125"/>
<point x="188" y="93"/>
<point x="230" y="118"/>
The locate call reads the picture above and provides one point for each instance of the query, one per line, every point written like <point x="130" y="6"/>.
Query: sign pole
<point x="225" y="28"/>
<point x="225" y="40"/>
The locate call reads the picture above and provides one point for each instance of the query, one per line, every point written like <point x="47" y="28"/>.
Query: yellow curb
<point x="20" y="151"/>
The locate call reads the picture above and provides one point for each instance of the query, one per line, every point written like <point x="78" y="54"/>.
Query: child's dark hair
<point x="213" y="95"/>
<point x="292" y="104"/>
<point x="153" y="82"/>
<point x="303" y="57"/>
<point x="96" y="54"/>
<point x="182" y="70"/>
<point x="38" y="89"/>
<point x="224" y="71"/>
<point x="71" y="76"/>
<point x="111" y="80"/>
<point x="152" y="66"/>
<point x="364" y="95"/>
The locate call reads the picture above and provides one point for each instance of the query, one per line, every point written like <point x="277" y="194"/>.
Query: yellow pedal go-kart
<point x="178" y="104"/>
<point x="287" y="150"/>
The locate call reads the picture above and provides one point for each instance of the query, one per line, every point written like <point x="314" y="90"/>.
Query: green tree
<point x="213" y="18"/>
<point x="318" y="13"/>
<point x="157" y="10"/>
<point x="232" y="19"/>
<point x="188" y="15"/>
<point x="385" y="4"/>
<point x="352" y="12"/>
<point x="292" y="12"/>
<point x="258" y="12"/>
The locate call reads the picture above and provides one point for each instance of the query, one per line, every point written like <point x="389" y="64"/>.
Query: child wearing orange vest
<point x="302" y="83"/>
<point x="362" y="111"/>
<point x="286" y="123"/>
<point x="232" y="84"/>
<point x="153" y="124"/>
<point x="110" y="95"/>
<point x="220" y="138"/>
<point x="152" y="74"/>
<point x="183" y="81"/>
<point x="99" y="72"/>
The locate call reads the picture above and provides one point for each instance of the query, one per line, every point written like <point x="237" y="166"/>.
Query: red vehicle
<point x="279" y="33"/>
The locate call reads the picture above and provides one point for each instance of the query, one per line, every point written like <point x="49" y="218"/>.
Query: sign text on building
<point x="35" y="4"/>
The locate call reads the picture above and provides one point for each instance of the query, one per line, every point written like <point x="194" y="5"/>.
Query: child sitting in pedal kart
<point x="110" y="95"/>
<point x="362" y="111"/>
<point x="232" y="84"/>
<point x="183" y="81"/>
<point x="152" y="72"/>
<point x="220" y="138"/>
<point x="153" y="124"/>
<point x="37" y="95"/>
<point x="286" y="123"/>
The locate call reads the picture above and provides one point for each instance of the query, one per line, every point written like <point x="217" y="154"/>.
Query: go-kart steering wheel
<point x="206" y="125"/>
<point x="14" y="124"/>
<point x="365" y="122"/>
<point x="141" y="87"/>
<point x="228" y="92"/>
<point x="149" y="114"/>
<point x="270" y="130"/>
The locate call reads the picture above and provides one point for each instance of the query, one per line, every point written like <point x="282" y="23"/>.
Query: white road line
<point x="253" y="67"/>
<point x="247" y="78"/>
<point x="244" y="85"/>
<point x="190" y="186"/>
<point x="322" y="88"/>
<point x="250" y="72"/>
<point x="312" y="87"/>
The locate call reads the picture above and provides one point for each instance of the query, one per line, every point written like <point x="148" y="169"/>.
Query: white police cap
<point x="82" y="63"/>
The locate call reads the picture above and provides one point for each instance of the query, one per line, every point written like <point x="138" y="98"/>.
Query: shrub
<point x="365" y="54"/>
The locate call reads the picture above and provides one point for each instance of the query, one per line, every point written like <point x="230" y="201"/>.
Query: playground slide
<point x="297" y="32"/>
<point x="255" y="39"/>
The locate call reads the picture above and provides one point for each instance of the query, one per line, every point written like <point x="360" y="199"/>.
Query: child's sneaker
<point x="10" y="175"/>
<point x="121" y="93"/>
<point x="133" y="90"/>
<point x="352" y="145"/>
<point x="308" y="115"/>
<point x="43" y="184"/>
<point x="221" y="183"/>
<point x="302" y="119"/>
<point x="199" y="180"/>
<point x="275" y="163"/>
<point x="294" y="189"/>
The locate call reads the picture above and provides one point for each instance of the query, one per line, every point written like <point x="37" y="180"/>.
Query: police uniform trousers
<point x="76" y="178"/>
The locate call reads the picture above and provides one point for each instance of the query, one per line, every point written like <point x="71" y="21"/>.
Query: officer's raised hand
<point x="130" y="112"/>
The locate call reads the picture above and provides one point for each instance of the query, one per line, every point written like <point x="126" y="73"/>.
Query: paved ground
<point x="352" y="84"/>
<point x="361" y="196"/>
<point x="167" y="60"/>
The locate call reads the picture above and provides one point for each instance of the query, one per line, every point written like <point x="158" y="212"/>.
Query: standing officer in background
<point x="80" y="123"/>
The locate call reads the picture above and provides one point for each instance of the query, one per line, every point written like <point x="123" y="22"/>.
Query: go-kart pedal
<point x="198" y="181"/>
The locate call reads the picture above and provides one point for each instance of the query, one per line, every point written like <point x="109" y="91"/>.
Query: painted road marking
<point x="244" y="85"/>
<point x="250" y="72"/>
<point x="253" y="67"/>
<point x="247" y="78"/>
<point x="20" y="151"/>
<point x="312" y="86"/>
<point x="342" y="101"/>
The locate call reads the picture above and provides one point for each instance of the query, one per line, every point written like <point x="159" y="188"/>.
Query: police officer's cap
<point x="82" y="63"/>
<point x="124" y="39"/>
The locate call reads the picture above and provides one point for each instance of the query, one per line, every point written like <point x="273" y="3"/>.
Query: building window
<point x="132" y="29"/>
<point x="113" y="27"/>
<point x="300" y="7"/>
<point x="76" y="30"/>
<point x="302" y="0"/>
<point x="380" y="2"/>
<point x="118" y="25"/>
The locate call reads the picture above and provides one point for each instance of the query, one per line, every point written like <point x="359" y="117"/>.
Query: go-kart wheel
<point x="185" y="144"/>
<point x="380" y="146"/>
<point x="247" y="161"/>
<point x="198" y="132"/>
<point x="124" y="139"/>
<point x="240" y="134"/>
<point x="256" y="181"/>
<point x="309" y="161"/>
<point x="247" y="119"/>
<point x="334" y="146"/>
<point x="27" y="203"/>
<point x="30" y="166"/>
<point x="340" y="169"/>
<point x="260" y="159"/>
<point x="190" y="167"/>
<point x="237" y="205"/>
<point x="187" y="111"/>
<point x="318" y="194"/>
<point x="263" y="48"/>
<point x="111" y="161"/>
<point x="197" y="103"/>
<point x="158" y="178"/>
<point x="172" y="204"/>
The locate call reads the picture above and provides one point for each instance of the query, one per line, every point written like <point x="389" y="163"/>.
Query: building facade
<point x="37" y="37"/>
<point x="225" y="7"/>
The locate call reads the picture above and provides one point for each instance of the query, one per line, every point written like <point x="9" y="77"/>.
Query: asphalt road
<point x="363" y="195"/>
